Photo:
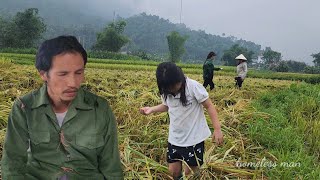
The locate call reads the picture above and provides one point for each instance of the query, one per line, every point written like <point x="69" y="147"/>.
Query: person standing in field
<point x="242" y="70"/>
<point x="61" y="131"/>
<point x="184" y="99"/>
<point x="208" y="70"/>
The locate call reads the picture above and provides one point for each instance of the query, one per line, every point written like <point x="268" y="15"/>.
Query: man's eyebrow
<point x="63" y="71"/>
<point x="82" y="69"/>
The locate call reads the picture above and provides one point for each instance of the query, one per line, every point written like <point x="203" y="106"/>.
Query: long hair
<point x="169" y="74"/>
<point x="211" y="54"/>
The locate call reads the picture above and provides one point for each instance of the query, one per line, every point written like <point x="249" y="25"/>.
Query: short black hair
<point x="168" y="74"/>
<point x="59" y="45"/>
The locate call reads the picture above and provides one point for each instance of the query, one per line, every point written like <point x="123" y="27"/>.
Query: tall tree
<point x="282" y="67"/>
<point x="271" y="58"/>
<point x="229" y="55"/>
<point x="3" y="26"/>
<point x="111" y="38"/>
<point x="25" y="29"/>
<point x="295" y="66"/>
<point x="312" y="70"/>
<point x="316" y="60"/>
<point x="176" y="46"/>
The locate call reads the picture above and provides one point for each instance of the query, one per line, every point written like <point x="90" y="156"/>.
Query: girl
<point x="184" y="99"/>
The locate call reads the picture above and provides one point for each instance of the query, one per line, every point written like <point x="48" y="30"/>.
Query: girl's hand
<point x="146" y="110"/>
<point x="217" y="136"/>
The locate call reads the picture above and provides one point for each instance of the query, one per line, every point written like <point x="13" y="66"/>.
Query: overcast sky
<point x="291" y="27"/>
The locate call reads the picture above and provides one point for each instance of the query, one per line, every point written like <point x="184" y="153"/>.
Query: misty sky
<point x="289" y="26"/>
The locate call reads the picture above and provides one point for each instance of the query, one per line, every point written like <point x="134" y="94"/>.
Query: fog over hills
<point x="289" y="27"/>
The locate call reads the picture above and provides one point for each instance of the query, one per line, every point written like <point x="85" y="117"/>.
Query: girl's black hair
<point x="169" y="74"/>
<point x="211" y="54"/>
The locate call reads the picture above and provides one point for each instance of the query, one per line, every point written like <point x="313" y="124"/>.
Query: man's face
<point x="64" y="77"/>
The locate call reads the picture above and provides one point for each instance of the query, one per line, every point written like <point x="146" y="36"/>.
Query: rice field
<point x="245" y="116"/>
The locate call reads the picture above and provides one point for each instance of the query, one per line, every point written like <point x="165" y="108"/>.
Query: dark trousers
<point x="208" y="82"/>
<point x="239" y="82"/>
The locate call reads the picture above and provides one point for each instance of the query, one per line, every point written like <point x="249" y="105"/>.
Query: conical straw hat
<point x="241" y="57"/>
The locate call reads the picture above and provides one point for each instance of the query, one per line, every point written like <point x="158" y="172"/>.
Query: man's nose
<point x="72" y="81"/>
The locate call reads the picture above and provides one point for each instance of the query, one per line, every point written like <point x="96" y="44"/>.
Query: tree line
<point x="151" y="37"/>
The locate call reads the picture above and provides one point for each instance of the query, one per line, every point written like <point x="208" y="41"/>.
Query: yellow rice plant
<point x="143" y="139"/>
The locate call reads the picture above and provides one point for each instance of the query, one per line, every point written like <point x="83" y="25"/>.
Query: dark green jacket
<point x="208" y="69"/>
<point x="85" y="147"/>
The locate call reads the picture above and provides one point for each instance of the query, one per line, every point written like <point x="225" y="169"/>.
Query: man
<point x="61" y="131"/>
<point x="208" y="70"/>
<point x="242" y="70"/>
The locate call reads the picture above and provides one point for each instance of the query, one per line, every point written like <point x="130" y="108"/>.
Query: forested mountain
<point x="61" y="18"/>
<point x="58" y="12"/>
<point x="146" y="32"/>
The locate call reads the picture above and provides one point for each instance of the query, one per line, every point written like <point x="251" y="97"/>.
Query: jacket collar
<point x="80" y="101"/>
<point x="40" y="97"/>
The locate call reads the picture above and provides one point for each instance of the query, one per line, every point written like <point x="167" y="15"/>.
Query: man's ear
<point x="43" y="75"/>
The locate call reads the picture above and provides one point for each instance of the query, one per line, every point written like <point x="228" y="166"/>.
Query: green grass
<point x="29" y="59"/>
<point x="290" y="132"/>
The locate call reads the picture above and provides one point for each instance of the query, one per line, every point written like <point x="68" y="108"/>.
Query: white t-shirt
<point x="60" y="117"/>
<point x="188" y="125"/>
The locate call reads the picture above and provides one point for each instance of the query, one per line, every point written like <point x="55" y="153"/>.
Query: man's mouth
<point x="71" y="93"/>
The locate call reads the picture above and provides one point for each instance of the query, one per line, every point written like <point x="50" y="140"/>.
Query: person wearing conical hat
<point x="242" y="70"/>
<point x="208" y="70"/>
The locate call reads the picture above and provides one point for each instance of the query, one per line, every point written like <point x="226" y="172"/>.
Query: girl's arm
<point x="150" y="110"/>
<point x="218" y="137"/>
